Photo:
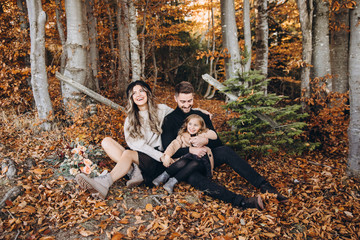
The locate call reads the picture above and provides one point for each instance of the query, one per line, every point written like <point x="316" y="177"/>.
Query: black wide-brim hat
<point x="138" y="82"/>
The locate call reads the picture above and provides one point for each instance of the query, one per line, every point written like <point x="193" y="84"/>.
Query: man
<point x="184" y="97"/>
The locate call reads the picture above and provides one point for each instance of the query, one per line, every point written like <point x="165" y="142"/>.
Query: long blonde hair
<point x="183" y="128"/>
<point x="135" y="120"/>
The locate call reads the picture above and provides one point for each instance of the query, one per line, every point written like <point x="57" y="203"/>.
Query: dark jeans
<point x="224" y="154"/>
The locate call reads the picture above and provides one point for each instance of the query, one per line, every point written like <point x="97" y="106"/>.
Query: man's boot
<point x="266" y="187"/>
<point x="169" y="186"/>
<point x="98" y="186"/>
<point x="252" y="202"/>
<point x="161" y="179"/>
<point x="136" y="177"/>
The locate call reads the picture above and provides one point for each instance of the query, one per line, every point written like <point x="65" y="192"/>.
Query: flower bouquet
<point x="77" y="160"/>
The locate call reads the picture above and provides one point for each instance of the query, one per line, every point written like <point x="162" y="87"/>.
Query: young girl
<point x="194" y="125"/>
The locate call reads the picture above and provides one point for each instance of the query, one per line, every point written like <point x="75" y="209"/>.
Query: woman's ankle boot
<point x="161" y="178"/>
<point x="169" y="186"/>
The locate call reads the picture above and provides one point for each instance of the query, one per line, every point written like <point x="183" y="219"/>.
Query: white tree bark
<point x="339" y="51"/>
<point x="354" y="82"/>
<point x="321" y="44"/>
<point x="77" y="45"/>
<point x="39" y="81"/>
<point x="124" y="45"/>
<point x="306" y="18"/>
<point x="134" y="43"/>
<point x="261" y="38"/>
<point x="247" y="33"/>
<point x="230" y="38"/>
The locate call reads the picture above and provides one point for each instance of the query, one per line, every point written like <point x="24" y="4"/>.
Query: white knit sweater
<point x="151" y="140"/>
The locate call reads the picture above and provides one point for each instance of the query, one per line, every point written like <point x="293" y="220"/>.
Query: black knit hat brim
<point x="133" y="84"/>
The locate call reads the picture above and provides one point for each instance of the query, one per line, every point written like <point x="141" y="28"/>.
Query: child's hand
<point x="166" y="160"/>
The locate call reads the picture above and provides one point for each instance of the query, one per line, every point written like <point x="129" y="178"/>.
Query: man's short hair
<point x="184" y="87"/>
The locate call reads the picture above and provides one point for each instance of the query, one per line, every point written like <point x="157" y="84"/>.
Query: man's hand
<point x="199" y="141"/>
<point x="198" y="151"/>
<point x="205" y="111"/>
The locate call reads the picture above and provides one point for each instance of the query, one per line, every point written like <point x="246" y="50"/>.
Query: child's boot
<point x="169" y="186"/>
<point x="161" y="178"/>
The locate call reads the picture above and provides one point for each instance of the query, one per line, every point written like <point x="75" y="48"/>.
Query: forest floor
<point x="323" y="202"/>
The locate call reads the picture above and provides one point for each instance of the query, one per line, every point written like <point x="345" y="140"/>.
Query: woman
<point x="142" y="130"/>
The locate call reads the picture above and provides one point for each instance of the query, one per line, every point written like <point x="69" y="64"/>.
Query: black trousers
<point x="225" y="155"/>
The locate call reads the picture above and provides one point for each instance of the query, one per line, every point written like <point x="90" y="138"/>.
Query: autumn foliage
<point x="323" y="201"/>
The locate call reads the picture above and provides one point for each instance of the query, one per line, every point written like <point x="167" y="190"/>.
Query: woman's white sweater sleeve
<point x="140" y="145"/>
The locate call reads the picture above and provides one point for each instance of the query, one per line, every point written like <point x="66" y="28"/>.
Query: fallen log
<point x="89" y="92"/>
<point x="212" y="81"/>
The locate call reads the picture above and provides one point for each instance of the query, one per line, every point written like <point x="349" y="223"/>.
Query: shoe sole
<point x="260" y="204"/>
<point x="134" y="183"/>
<point x="85" y="183"/>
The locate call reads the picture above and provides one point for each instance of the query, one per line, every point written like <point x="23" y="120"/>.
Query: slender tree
<point x="261" y="37"/>
<point x="230" y="38"/>
<point x="134" y="43"/>
<point x="112" y="44"/>
<point x="77" y="45"/>
<point x="39" y="81"/>
<point x="60" y="29"/>
<point x="93" y="53"/>
<point x="123" y="45"/>
<point x="321" y="44"/>
<point x="354" y="82"/>
<point x="340" y="50"/>
<point x="247" y="34"/>
<point x="306" y="19"/>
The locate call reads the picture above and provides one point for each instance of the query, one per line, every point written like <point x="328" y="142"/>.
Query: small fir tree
<point x="254" y="136"/>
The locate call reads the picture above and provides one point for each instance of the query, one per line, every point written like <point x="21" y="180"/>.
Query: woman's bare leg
<point x="124" y="163"/>
<point x="112" y="148"/>
<point x="115" y="151"/>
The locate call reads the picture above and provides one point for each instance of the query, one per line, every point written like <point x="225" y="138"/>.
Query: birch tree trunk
<point x="123" y="44"/>
<point x="134" y="43"/>
<point x="321" y="44"/>
<point x="353" y="168"/>
<point x="77" y="45"/>
<point x="230" y="38"/>
<point x="261" y="38"/>
<point x="39" y="82"/>
<point x="339" y="51"/>
<point x="306" y="18"/>
<point x="247" y="34"/>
